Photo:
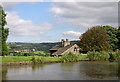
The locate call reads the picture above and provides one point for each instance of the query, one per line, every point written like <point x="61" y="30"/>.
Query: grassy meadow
<point x="29" y="58"/>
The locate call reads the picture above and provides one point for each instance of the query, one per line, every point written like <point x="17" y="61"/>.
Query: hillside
<point x="38" y="46"/>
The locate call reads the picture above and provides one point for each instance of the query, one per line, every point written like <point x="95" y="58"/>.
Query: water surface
<point x="64" y="71"/>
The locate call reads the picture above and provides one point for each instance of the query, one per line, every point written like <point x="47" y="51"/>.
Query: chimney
<point x="67" y="40"/>
<point x="65" y="43"/>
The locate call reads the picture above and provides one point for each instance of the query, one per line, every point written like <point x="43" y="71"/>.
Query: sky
<point x="38" y="22"/>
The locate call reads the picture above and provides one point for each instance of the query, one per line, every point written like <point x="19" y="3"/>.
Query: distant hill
<point x="38" y="46"/>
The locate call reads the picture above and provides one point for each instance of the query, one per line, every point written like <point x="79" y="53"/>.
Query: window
<point x="75" y="49"/>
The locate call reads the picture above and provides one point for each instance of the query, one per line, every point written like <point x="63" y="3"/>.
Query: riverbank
<point x="26" y="60"/>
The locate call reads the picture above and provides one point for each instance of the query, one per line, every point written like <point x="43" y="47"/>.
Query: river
<point x="82" y="70"/>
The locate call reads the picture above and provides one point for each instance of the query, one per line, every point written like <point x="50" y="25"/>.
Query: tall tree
<point x="118" y="36"/>
<point x="94" y="39"/>
<point x="3" y="32"/>
<point x="112" y="32"/>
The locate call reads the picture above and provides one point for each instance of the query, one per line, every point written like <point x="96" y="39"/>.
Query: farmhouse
<point x="65" y="47"/>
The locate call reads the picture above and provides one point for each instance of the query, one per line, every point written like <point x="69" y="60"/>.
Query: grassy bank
<point x="29" y="58"/>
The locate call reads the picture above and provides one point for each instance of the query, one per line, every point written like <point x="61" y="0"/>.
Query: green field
<point x="29" y="58"/>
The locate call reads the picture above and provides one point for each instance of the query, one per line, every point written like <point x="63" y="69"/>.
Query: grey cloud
<point x="87" y="14"/>
<point x="9" y="5"/>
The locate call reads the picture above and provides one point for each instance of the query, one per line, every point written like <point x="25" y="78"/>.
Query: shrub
<point x="47" y="54"/>
<point x="114" y="55"/>
<point x="37" y="60"/>
<point x="40" y="59"/>
<point x="117" y="53"/>
<point x="33" y="59"/>
<point x="93" y="55"/>
<point x="98" y="55"/>
<point x="104" y="55"/>
<point x="69" y="57"/>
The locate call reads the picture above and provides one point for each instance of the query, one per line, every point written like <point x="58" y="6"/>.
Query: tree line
<point x="100" y="38"/>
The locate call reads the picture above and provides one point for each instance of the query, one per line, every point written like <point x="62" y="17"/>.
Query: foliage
<point x="31" y="53"/>
<point x="69" y="57"/>
<point x="94" y="39"/>
<point x="114" y="55"/>
<point x="103" y="55"/>
<point x="37" y="46"/>
<point x="37" y="59"/>
<point x="118" y="36"/>
<point x="47" y="54"/>
<point x="93" y="55"/>
<point x="33" y="59"/>
<point x="112" y="32"/>
<point x="40" y="59"/>
<point x="40" y="53"/>
<point x="3" y="32"/>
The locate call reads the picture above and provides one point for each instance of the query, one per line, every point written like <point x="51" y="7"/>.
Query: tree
<point x="94" y="39"/>
<point x="112" y="32"/>
<point x="3" y="32"/>
<point x="118" y="36"/>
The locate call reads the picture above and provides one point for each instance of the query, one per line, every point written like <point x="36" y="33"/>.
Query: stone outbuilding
<point x="64" y="48"/>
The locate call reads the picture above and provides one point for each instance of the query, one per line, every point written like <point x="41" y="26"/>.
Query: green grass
<point x="46" y="59"/>
<point x="83" y="57"/>
<point x="29" y="58"/>
<point x="26" y="58"/>
<point x="16" y="59"/>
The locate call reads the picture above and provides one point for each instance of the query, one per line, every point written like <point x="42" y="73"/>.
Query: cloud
<point x="9" y="5"/>
<point x="86" y="14"/>
<point x="72" y="34"/>
<point x="21" y="27"/>
<point x="25" y="0"/>
<point x="85" y="0"/>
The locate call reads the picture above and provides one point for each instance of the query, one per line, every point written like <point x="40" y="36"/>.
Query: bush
<point x="37" y="60"/>
<point x="98" y="55"/>
<point x="33" y="59"/>
<point x="69" y="57"/>
<point x="40" y="59"/>
<point x="47" y="54"/>
<point x="114" y="55"/>
<point x="93" y="55"/>
<point x="117" y="53"/>
<point x="104" y="55"/>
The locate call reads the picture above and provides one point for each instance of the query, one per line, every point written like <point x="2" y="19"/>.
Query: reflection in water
<point x="119" y="70"/>
<point x="34" y="67"/>
<point x="100" y="70"/>
<point x="63" y="71"/>
<point x="4" y="73"/>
